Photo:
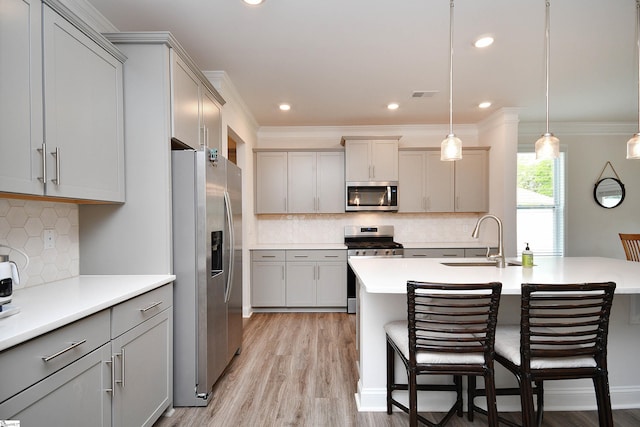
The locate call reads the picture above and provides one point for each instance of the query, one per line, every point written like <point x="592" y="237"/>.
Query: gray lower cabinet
<point x="85" y="383"/>
<point x="70" y="364"/>
<point x="143" y="372"/>
<point x="434" y="253"/>
<point x="268" y="279"/>
<point x="445" y="252"/>
<point x="299" y="279"/>
<point x="142" y="348"/>
<point x="113" y="368"/>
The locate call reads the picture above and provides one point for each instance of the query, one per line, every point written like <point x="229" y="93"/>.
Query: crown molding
<point x="578" y="128"/>
<point x="223" y="83"/>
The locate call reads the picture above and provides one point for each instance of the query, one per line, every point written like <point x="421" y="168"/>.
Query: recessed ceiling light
<point x="285" y="107"/>
<point x="485" y="104"/>
<point x="483" y="42"/>
<point x="393" y="106"/>
<point x="253" y="2"/>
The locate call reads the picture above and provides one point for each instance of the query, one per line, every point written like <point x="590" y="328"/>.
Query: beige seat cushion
<point x="508" y="346"/>
<point x="398" y="331"/>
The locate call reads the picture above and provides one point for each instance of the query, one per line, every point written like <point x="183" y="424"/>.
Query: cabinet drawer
<point x="317" y="255"/>
<point x="136" y="310"/>
<point x="24" y="364"/>
<point x="434" y="253"/>
<point x="74" y="396"/>
<point x="275" y="255"/>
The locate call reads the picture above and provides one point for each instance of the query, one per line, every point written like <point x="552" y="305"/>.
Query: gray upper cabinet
<point x="211" y="126"/>
<point x="199" y="126"/>
<point x="472" y="182"/>
<point x="299" y="182"/>
<point x="428" y="184"/>
<point x="271" y="182"/>
<point x="186" y="95"/>
<point x="315" y="182"/>
<point x="371" y="160"/>
<point x="21" y="124"/>
<point x="57" y="65"/>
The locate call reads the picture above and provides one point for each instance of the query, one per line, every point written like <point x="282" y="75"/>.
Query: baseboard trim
<point x="567" y="399"/>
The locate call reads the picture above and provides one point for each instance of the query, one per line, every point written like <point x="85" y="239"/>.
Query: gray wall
<point x="590" y="229"/>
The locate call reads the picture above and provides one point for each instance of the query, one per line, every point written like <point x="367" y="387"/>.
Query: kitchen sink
<point x="479" y="264"/>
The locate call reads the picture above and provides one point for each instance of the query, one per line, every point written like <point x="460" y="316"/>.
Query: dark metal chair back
<point x="452" y="318"/>
<point x="565" y="321"/>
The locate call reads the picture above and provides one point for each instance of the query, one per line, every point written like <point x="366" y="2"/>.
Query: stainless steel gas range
<point x="368" y="241"/>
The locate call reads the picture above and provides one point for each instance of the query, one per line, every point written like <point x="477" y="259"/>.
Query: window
<point x="540" y="204"/>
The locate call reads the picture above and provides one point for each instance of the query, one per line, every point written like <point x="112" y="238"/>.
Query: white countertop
<point x="46" y="307"/>
<point x="390" y="275"/>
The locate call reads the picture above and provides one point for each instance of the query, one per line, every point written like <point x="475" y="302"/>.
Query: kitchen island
<point x="382" y="298"/>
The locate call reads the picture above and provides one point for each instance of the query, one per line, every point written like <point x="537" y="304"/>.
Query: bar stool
<point x="450" y="331"/>
<point x="562" y="335"/>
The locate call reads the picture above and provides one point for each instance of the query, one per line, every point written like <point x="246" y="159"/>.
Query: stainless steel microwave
<point x="372" y="196"/>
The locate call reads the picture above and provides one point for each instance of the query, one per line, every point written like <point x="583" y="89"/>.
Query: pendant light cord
<point x="638" y="52"/>
<point x="546" y="55"/>
<point x="451" y="67"/>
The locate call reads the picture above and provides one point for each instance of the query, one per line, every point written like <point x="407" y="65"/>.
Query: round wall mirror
<point x="609" y="192"/>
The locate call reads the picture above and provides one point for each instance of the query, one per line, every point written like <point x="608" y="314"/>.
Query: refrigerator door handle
<point x="232" y="245"/>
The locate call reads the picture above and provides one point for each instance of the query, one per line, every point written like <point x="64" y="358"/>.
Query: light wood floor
<point x="299" y="369"/>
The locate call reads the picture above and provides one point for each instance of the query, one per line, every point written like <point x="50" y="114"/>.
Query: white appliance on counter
<point x="207" y="262"/>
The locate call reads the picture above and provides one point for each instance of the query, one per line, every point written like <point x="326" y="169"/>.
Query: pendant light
<point x="633" y="145"/>
<point x="548" y="146"/>
<point x="451" y="147"/>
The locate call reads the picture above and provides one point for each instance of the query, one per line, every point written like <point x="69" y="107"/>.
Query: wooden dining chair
<point x="631" y="245"/>
<point x="562" y="335"/>
<point x="450" y="330"/>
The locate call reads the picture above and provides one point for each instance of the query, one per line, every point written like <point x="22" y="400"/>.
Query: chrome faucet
<point x="499" y="257"/>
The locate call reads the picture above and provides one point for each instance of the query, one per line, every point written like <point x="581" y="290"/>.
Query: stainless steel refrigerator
<point x="207" y="262"/>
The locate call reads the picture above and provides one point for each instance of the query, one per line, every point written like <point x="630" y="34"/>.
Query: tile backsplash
<point x="22" y="226"/>
<point x="408" y="228"/>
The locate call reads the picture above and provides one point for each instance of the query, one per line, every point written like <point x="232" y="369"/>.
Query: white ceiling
<point x="339" y="62"/>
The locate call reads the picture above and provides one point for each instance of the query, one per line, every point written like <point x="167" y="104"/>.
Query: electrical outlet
<point x="49" y="239"/>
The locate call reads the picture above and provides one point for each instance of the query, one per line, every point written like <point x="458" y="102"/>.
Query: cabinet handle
<point x="418" y="256"/>
<point x="122" y="367"/>
<point x="369" y="171"/>
<point x="285" y="204"/>
<point x="153" y="304"/>
<point x="283" y="272"/>
<point x="113" y="375"/>
<point x="43" y="150"/>
<point x="373" y="168"/>
<point x="121" y="380"/>
<point x="331" y="256"/>
<point x="56" y="154"/>
<point x="267" y="256"/>
<point x="318" y="268"/>
<point x="457" y="202"/>
<point x="427" y="203"/>
<point x="449" y="255"/>
<point x="301" y="256"/>
<point x="63" y="351"/>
